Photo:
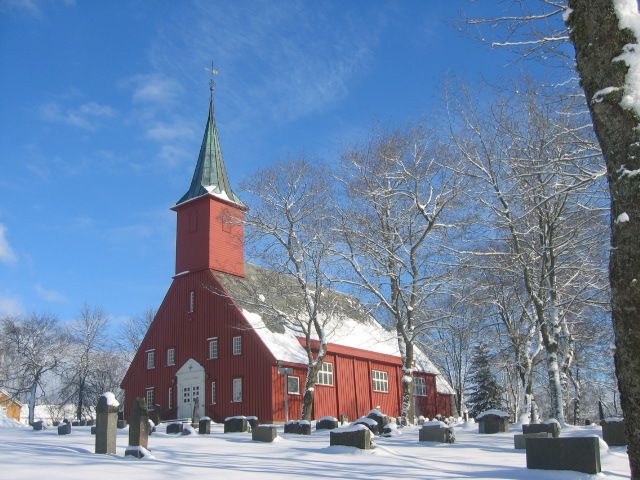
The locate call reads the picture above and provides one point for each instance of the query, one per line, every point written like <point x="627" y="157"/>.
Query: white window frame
<point x="171" y="356"/>
<point x="236" y="344"/>
<point x="213" y="393"/>
<point x="150" y="394"/>
<point x="192" y="301"/>
<point x="325" y="374"/>
<point x="170" y="401"/>
<point x="380" y="381"/>
<point x="420" y="386"/>
<point x="213" y="353"/>
<point x="237" y="390"/>
<point x="151" y="359"/>
<point x="289" y="391"/>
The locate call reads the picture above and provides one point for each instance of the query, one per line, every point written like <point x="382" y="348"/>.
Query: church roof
<point x="266" y="296"/>
<point x="210" y="175"/>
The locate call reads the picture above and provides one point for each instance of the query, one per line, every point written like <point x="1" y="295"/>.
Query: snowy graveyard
<point x="27" y="454"/>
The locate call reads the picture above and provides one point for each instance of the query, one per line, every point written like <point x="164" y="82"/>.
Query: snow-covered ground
<point x="26" y="454"/>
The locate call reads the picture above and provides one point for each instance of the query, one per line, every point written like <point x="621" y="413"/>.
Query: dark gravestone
<point x="204" y="426"/>
<point x="613" y="432"/>
<point x="351" y="437"/>
<point x="327" y="423"/>
<point x="83" y="423"/>
<point x="39" y="425"/>
<point x="264" y="433"/>
<point x="235" y="424"/>
<point x="370" y="423"/>
<point x="121" y="423"/>
<point x="552" y="428"/>
<point x="175" y="428"/>
<point x="492" y="423"/>
<point x="56" y="423"/>
<point x="299" y="427"/>
<point x="64" y="428"/>
<point x="436" y="433"/>
<point x="90" y="422"/>
<point x="106" y="422"/>
<point x="138" y="430"/>
<point x="520" y="439"/>
<point x="75" y="423"/>
<point x="93" y="430"/>
<point x="380" y="419"/>
<point x="581" y="454"/>
<point x="253" y="422"/>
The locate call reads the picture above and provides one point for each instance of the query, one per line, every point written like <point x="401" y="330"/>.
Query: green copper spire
<point x="210" y="175"/>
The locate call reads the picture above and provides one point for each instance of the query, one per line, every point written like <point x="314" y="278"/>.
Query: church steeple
<point x="210" y="175"/>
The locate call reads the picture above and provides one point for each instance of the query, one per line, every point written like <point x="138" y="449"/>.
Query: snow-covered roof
<point x="351" y="325"/>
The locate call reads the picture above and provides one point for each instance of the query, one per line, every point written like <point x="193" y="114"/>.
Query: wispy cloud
<point x="7" y="255"/>
<point x="86" y="116"/>
<point x="154" y="88"/>
<point x="10" y="305"/>
<point x="167" y="132"/>
<point x="49" y="295"/>
<point x="29" y="6"/>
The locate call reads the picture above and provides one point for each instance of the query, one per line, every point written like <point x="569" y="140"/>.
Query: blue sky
<point x="104" y="105"/>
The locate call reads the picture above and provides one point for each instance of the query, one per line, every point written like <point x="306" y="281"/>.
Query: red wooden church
<point x="208" y="342"/>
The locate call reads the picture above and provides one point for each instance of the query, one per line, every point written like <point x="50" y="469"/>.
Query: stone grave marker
<point x="235" y="424"/>
<point x="493" y="421"/>
<point x="552" y="427"/>
<point x="175" y="427"/>
<point x="264" y="433"/>
<point x="298" y="427"/>
<point x="379" y="417"/>
<point x="520" y="439"/>
<point x="581" y="454"/>
<point x="39" y="425"/>
<point x="327" y="423"/>
<point x="436" y="432"/>
<point x="370" y="423"/>
<point x="64" y="428"/>
<point x="138" y="430"/>
<point x="253" y="421"/>
<point x="344" y="419"/>
<point x="93" y="430"/>
<point x="355" y="435"/>
<point x="613" y="432"/>
<point x="204" y="426"/>
<point x="106" y="423"/>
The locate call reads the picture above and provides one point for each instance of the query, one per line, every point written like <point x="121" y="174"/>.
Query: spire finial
<point x="212" y="81"/>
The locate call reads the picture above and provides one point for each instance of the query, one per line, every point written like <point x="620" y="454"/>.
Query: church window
<point x="192" y="301"/>
<point x="150" y="396"/>
<point x="170" y="399"/>
<point x="151" y="359"/>
<point x="419" y="386"/>
<point x="325" y="374"/>
<point x="213" y="393"/>
<point x="171" y="357"/>
<point x="237" y="390"/>
<point x="380" y="381"/>
<point x="293" y="386"/>
<point x="237" y="345"/>
<point x="213" y="348"/>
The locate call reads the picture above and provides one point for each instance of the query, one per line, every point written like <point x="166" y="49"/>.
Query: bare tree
<point x="132" y="332"/>
<point x="539" y="171"/>
<point x="400" y="193"/>
<point x="87" y="336"/>
<point x="288" y="233"/>
<point x="36" y="346"/>
<point x="605" y="38"/>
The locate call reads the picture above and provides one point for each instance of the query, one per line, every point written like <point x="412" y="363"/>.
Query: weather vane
<point x="212" y="82"/>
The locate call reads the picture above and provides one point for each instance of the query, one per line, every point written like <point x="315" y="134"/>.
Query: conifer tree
<point x="486" y="392"/>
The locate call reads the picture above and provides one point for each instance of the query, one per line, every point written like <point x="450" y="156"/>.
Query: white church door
<point x="190" y="386"/>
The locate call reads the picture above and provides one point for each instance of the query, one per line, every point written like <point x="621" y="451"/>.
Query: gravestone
<point x="121" y="424"/>
<point x="93" y="430"/>
<point x="436" y="433"/>
<point x="39" y="425"/>
<point x="358" y="436"/>
<point x="56" y="423"/>
<point x="493" y="421"/>
<point x="83" y="423"/>
<point x="138" y="430"/>
<point x="344" y="418"/>
<point x="520" y="439"/>
<point x="264" y="433"/>
<point x="552" y="428"/>
<point x="235" y="424"/>
<point x="298" y="427"/>
<point x="204" y="426"/>
<point x="581" y="454"/>
<point x="90" y="422"/>
<point x="379" y="417"/>
<point x="176" y="427"/>
<point x="370" y="423"/>
<point x="75" y="423"/>
<point x="106" y="423"/>
<point x="195" y="417"/>
<point x="253" y="421"/>
<point x="327" y="423"/>
<point x="64" y="428"/>
<point x="421" y="420"/>
<point x="613" y="432"/>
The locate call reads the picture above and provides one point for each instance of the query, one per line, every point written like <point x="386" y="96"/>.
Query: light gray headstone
<point x="106" y="426"/>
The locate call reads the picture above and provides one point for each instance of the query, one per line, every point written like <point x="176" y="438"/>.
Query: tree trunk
<point x="32" y="399"/>
<point x="597" y="38"/>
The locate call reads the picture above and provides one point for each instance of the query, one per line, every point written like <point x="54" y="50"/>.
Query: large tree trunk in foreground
<point x="598" y="39"/>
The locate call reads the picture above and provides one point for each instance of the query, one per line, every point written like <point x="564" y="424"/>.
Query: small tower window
<point x="171" y="357"/>
<point x="213" y="348"/>
<point x="192" y="301"/>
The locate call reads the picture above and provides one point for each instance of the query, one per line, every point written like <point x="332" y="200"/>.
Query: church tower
<point x="210" y="233"/>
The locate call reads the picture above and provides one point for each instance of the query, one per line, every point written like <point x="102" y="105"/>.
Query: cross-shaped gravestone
<point x="106" y="423"/>
<point x="138" y="429"/>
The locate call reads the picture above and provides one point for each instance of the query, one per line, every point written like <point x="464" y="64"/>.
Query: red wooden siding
<point x="214" y="316"/>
